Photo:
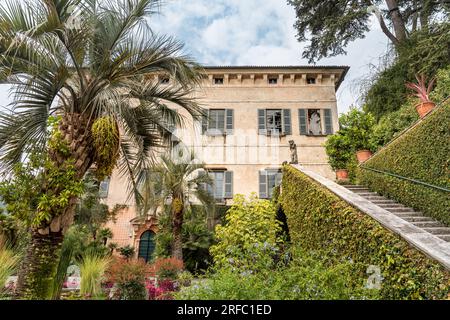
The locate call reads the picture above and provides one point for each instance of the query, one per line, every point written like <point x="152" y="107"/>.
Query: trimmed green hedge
<point x="423" y="153"/>
<point x="318" y="220"/>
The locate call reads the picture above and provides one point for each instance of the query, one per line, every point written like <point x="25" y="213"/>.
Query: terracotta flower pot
<point x="424" y="107"/>
<point x="363" y="155"/>
<point x="342" y="174"/>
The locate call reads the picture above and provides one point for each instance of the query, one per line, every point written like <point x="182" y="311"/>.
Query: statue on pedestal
<point x="293" y="149"/>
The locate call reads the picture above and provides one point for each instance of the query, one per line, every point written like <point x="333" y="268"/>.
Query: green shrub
<point x="394" y="123"/>
<point x="442" y="89"/>
<point x="305" y="277"/>
<point x="320" y="221"/>
<point x="250" y="225"/>
<point x="92" y="269"/>
<point x="339" y="151"/>
<point x="357" y="126"/>
<point x="8" y="262"/>
<point x="422" y="154"/>
<point x="129" y="276"/>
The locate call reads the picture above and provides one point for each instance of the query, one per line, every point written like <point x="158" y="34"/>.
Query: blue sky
<point x="254" y="32"/>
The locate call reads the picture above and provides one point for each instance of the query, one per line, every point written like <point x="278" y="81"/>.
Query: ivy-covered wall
<point x="320" y="221"/>
<point x="423" y="153"/>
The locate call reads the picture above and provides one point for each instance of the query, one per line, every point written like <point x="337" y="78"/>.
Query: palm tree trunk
<point x="177" y="225"/>
<point x="39" y="266"/>
<point x="42" y="257"/>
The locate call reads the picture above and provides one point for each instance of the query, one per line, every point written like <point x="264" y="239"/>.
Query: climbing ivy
<point x="320" y="221"/>
<point x="38" y="188"/>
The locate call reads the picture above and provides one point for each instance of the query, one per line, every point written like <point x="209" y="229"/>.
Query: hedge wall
<point x="320" y="221"/>
<point x="423" y="154"/>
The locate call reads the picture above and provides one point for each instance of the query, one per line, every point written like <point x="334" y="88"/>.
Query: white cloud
<point x="255" y="32"/>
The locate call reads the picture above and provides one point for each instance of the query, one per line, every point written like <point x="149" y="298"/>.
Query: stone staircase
<point x="418" y="219"/>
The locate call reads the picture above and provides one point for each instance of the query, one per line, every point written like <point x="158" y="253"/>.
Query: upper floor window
<point x="222" y="184"/>
<point x="310" y="122"/>
<point x="218" y="80"/>
<point x="273" y="80"/>
<point x="103" y="189"/>
<point x="310" y="80"/>
<point x="218" y="122"/>
<point x="274" y="121"/>
<point x="268" y="180"/>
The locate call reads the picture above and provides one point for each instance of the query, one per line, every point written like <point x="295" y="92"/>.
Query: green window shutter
<point x="229" y="121"/>
<point x="328" y="121"/>
<point x="205" y="121"/>
<point x="146" y="246"/>
<point x="263" y="185"/>
<point x="302" y="121"/>
<point x="228" y="184"/>
<point x="287" y="127"/>
<point x="262" y="121"/>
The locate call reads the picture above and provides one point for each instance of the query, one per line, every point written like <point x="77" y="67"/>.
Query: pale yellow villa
<point x="259" y="117"/>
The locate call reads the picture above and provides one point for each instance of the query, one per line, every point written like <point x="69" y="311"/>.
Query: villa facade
<point x="258" y="118"/>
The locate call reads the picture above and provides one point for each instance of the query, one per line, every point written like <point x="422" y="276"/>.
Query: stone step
<point x="444" y="237"/>
<point x="381" y="202"/>
<point x="398" y="209"/>
<point x="410" y="214"/>
<point x="438" y="230"/>
<point x="390" y="205"/>
<point x="428" y="224"/>
<point x="367" y="194"/>
<point x="416" y="219"/>
<point x="371" y="198"/>
<point x="359" y="189"/>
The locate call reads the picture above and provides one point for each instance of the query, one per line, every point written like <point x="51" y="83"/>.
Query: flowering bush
<point x="166" y="268"/>
<point x="163" y="290"/>
<point x="129" y="277"/>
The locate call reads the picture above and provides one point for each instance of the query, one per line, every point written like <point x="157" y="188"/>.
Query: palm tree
<point x="94" y="64"/>
<point x="174" y="181"/>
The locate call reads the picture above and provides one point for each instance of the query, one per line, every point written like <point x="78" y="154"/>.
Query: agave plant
<point x="422" y="91"/>
<point x="95" y="64"/>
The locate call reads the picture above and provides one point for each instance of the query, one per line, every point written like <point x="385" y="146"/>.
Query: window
<point x="273" y="80"/>
<point x="146" y="246"/>
<point x="218" y="122"/>
<point x="222" y="184"/>
<point x="310" y="80"/>
<point x="274" y="121"/>
<point x="268" y="180"/>
<point x="218" y="80"/>
<point x="310" y="122"/>
<point x="104" y="188"/>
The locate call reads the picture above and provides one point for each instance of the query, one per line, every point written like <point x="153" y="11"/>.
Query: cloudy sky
<point x="254" y="32"/>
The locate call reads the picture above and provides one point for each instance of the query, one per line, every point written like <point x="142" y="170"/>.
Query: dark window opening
<point x="310" y="80"/>
<point x="273" y="80"/>
<point x="218" y="80"/>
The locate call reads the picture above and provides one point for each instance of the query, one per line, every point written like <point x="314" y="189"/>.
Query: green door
<point x="146" y="246"/>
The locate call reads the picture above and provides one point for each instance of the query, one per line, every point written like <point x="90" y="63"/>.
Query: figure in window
<point x="315" y="126"/>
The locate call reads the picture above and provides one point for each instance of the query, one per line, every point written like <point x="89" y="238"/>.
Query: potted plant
<point x="422" y="91"/>
<point x="358" y="125"/>
<point x="339" y="151"/>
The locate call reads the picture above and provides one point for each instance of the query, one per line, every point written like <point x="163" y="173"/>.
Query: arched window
<point x="146" y="245"/>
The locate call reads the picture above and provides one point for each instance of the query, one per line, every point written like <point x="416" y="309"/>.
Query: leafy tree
<point x="330" y="25"/>
<point x="425" y="53"/>
<point x="94" y="64"/>
<point x="250" y="232"/>
<point x="357" y="126"/>
<point x="339" y="151"/>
